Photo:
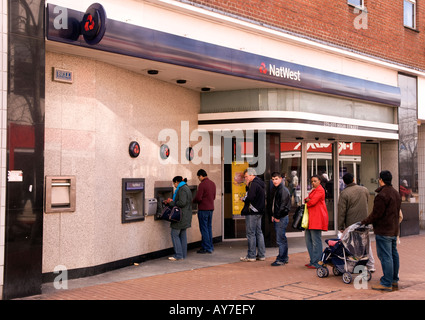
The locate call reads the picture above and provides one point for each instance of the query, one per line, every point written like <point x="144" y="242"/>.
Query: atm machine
<point x="133" y="199"/>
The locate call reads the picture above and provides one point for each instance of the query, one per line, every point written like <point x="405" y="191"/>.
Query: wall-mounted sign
<point x="190" y="154"/>
<point x="164" y="151"/>
<point x="134" y="149"/>
<point x="93" y="25"/>
<point x="61" y="75"/>
<point x="15" y="176"/>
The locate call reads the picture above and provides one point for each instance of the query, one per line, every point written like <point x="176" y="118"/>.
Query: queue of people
<point x="352" y="208"/>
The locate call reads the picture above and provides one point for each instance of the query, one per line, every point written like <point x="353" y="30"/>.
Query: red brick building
<point x="376" y="28"/>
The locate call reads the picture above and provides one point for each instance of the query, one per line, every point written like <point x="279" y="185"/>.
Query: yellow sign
<point x="238" y="187"/>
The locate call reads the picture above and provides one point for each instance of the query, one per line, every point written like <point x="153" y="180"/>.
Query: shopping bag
<point x="304" y="223"/>
<point x="298" y="216"/>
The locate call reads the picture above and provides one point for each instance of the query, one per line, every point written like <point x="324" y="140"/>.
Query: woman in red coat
<point x="317" y="222"/>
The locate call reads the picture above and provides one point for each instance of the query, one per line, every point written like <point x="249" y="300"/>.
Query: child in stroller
<point x="347" y="255"/>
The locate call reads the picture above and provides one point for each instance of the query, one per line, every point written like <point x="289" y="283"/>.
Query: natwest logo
<point x="280" y="72"/>
<point x="263" y="68"/>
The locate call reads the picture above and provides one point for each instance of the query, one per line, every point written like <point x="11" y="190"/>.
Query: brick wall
<point x="379" y="32"/>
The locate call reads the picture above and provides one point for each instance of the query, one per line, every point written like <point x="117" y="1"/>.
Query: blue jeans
<point x="386" y="247"/>
<point x="281" y="240"/>
<point x="313" y="241"/>
<point x="179" y="238"/>
<point x="255" y="236"/>
<point x="205" y="226"/>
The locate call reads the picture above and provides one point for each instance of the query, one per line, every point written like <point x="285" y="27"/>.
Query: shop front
<point x="297" y="134"/>
<point x="115" y="82"/>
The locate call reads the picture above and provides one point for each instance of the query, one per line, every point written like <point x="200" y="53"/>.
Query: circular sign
<point x="134" y="149"/>
<point x="164" y="151"/>
<point x="93" y="25"/>
<point x="190" y="153"/>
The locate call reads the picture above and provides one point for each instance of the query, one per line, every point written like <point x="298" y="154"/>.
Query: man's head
<point x="386" y="177"/>
<point x="348" y="178"/>
<point x="202" y="174"/>
<point x="276" y="178"/>
<point x="249" y="175"/>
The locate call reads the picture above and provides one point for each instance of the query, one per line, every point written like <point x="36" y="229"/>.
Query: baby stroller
<point x="347" y="255"/>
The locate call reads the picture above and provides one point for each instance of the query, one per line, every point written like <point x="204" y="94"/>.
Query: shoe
<point x="261" y="259"/>
<point x="203" y="251"/>
<point x="310" y="266"/>
<point x="246" y="259"/>
<point x="382" y="288"/>
<point x="173" y="259"/>
<point x="395" y="286"/>
<point x="278" y="263"/>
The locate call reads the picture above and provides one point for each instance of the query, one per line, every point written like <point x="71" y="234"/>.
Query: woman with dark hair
<point x="317" y="221"/>
<point x="182" y="198"/>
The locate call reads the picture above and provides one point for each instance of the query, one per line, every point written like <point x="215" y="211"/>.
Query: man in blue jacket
<point x="253" y="211"/>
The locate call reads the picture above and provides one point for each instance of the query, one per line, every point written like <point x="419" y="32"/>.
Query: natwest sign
<point x="280" y="72"/>
<point x="284" y="72"/>
<point x="353" y="148"/>
<point x="93" y="29"/>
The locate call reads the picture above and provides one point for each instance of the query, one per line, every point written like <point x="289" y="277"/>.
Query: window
<point x="409" y="13"/>
<point x="356" y="3"/>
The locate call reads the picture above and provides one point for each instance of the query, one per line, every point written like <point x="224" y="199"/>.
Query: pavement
<point x="221" y="276"/>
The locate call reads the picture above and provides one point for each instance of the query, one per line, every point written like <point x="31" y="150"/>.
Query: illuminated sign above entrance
<point x="281" y="72"/>
<point x="136" y="41"/>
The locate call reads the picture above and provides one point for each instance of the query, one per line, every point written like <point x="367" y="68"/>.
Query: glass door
<point x="361" y="160"/>
<point x="320" y="162"/>
<point x="290" y="154"/>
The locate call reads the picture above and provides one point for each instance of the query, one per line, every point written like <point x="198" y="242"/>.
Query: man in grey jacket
<point x="353" y="207"/>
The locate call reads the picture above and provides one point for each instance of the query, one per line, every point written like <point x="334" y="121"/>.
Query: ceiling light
<point x="181" y="81"/>
<point x="152" y="71"/>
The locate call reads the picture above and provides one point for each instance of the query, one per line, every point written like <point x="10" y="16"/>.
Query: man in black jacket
<point x="385" y="218"/>
<point x="253" y="211"/>
<point x="280" y="208"/>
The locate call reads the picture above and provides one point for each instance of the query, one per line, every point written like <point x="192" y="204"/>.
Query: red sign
<point x="352" y="149"/>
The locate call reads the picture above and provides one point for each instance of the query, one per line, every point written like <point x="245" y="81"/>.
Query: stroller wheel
<point x="322" y="272"/>
<point x="347" y="278"/>
<point x="336" y="271"/>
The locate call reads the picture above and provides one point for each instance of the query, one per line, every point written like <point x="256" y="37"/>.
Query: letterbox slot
<point x="60" y="195"/>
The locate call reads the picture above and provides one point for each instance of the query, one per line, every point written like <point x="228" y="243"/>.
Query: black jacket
<point x="386" y="212"/>
<point x="255" y="201"/>
<point x="281" y="201"/>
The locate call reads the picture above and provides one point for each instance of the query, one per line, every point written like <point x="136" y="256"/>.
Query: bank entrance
<point x="297" y="161"/>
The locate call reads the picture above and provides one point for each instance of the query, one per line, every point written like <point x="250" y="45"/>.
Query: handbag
<point x="298" y="216"/>
<point x="304" y="223"/>
<point x="172" y="214"/>
<point x="175" y="214"/>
